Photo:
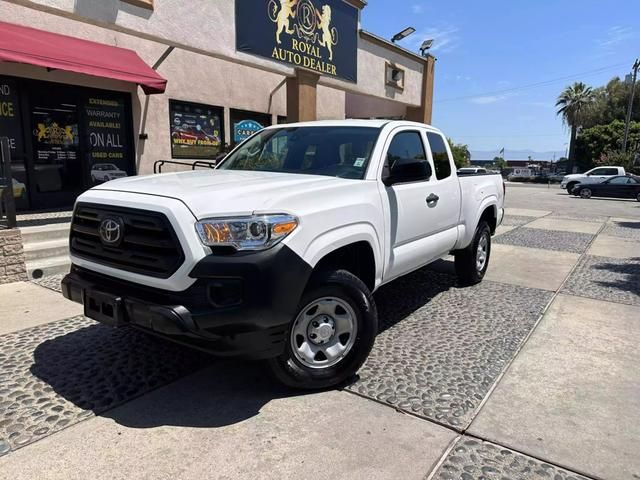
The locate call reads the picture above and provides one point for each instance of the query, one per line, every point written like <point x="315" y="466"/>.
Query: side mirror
<point x="406" y="172"/>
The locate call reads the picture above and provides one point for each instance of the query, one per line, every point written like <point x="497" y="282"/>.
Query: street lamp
<point x="403" y="34"/>
<point x="426" y="45"/>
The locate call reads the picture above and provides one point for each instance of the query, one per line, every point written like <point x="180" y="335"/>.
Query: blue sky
<point x="486" y="47"/>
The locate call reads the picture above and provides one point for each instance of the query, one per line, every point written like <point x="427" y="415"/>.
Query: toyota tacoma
<point x="275" y="254"/>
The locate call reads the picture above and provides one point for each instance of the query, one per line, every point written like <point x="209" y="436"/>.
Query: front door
<point x="55" y="162"/>
<point x="417" y="216"/>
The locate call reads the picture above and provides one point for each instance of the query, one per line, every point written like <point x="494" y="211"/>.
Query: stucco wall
<point x="208" y="26"/>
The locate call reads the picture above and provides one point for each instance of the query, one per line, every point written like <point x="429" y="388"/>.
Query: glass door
<point x="54" y="164"/>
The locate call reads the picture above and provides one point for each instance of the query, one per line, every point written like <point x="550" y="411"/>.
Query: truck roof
<point x="353" y="123"/>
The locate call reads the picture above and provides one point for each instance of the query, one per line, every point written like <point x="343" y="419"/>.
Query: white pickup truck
<point x="275" y="253"/>
<point x="595" y="175"/>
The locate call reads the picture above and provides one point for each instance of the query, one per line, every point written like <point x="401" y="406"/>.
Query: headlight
<point x="257" y="232"/>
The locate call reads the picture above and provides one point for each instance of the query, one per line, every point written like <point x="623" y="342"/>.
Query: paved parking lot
<point x="532" y="374"/>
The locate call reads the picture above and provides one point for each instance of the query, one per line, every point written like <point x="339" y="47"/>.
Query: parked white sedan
<point x="103" y="172"/>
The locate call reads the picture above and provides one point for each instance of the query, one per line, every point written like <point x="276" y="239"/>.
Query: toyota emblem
<point x="111" y="231"/>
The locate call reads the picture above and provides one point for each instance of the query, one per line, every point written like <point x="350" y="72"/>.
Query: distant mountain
<point x="516" y="154"/>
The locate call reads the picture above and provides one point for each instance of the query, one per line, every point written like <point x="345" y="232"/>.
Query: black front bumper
<point x="239" y="305"/>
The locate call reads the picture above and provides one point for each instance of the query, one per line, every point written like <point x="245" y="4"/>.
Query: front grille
<point x="149" y="245"/>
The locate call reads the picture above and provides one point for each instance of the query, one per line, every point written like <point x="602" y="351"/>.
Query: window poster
<point x="106" y="134"/>
<point x="196" y="130"/>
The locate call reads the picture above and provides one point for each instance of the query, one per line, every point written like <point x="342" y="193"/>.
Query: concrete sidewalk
<point x="230" y="423"/>
<point x="25" y="305"/>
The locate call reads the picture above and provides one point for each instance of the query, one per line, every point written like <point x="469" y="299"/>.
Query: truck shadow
<point x="400" y="298"/>
<point x="141" y="381"/>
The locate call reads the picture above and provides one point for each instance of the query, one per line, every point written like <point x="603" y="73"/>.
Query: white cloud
<point x="445" y="39"/>
<point x="615" y="36"/>
<point x="417" y="8"/>
<point x="487" y="99"/>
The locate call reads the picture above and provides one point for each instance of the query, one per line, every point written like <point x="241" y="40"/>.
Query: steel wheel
<point x="482" y="251"/>
<point x="585" y="193"/>
<point x="324" y="332"/>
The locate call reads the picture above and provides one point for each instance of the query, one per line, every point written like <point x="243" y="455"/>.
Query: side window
<point x="605" y="171"/>
<point x="406" y="147"/>
<point x="441" y="161"/>
<point x="619" y="181"/>
<point x="407" y="158"/>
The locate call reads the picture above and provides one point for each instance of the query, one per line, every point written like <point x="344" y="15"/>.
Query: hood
<point x="210" y="193"/>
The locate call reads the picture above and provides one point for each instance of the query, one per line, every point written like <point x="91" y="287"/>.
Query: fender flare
<point x="334" y="239"/>
<point x="470" y="227"/>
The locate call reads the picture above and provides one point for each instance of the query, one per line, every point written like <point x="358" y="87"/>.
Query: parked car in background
<point x="595" y="175"/>
<point x="103" y="172"/>
<point x="623" y="186"/>
<point x="471" y="170"/>
<point x="275" y="253"/>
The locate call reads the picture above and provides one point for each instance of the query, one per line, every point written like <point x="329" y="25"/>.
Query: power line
<point x="533" y="85"/>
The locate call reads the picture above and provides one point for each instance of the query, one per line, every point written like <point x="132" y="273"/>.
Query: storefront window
<point x="11" y="127"/>
<point x="196" y="130"/>
<point x="63" y="139"/>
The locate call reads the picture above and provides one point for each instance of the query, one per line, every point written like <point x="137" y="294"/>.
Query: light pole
<point x="635" y="67"/>
<point x="403" y="34"/>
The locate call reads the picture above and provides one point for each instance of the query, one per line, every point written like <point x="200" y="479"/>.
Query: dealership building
<point x="92" y="90"/>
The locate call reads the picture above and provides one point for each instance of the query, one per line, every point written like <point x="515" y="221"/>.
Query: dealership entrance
<point x="63" y="139"/>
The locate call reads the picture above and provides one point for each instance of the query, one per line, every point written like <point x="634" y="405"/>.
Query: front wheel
<point x="472" y="262"/>
<point x="331" y="335"/>
<point x="570" y="187"/>
<point x="585" y="193"/>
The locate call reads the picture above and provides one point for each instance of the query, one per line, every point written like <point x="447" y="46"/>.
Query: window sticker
<point x="359" y="162"/>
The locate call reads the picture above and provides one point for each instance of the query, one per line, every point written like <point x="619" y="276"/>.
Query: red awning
<point x="51" y="50"/>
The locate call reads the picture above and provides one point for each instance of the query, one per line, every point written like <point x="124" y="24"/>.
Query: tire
<point x="351" y="298"/>
<point x="570" y="187"/>
<point x="638" y="197"/>
<point x="469" y="269"/>
<point x="585" y="193"/>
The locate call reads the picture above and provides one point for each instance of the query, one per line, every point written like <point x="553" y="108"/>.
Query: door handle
<point x="432" y="199"/>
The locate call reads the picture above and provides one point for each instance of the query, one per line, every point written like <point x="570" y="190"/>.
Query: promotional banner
<point x="106" y="131"/>
<point x="196" y="130"/>
<point x="319" y="35"/>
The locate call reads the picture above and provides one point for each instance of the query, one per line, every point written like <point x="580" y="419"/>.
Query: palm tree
<point x="572" y="103"/>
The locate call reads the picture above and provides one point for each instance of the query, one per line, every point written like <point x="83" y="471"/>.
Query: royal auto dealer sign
<point x="318" y="35"/>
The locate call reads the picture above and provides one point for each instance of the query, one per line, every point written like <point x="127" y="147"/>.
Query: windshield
<point x="333" y="151"/>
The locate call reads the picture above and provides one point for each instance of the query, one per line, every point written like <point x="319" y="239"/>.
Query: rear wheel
<point x="331" y="335"/>
<point x="585" y="193"/>
<point x="472" y="262"/>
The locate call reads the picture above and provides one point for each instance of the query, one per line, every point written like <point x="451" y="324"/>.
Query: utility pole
<point x="635" y="67"/>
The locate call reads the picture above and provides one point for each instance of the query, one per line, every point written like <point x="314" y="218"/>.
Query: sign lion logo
<point x="311" y="25"/>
